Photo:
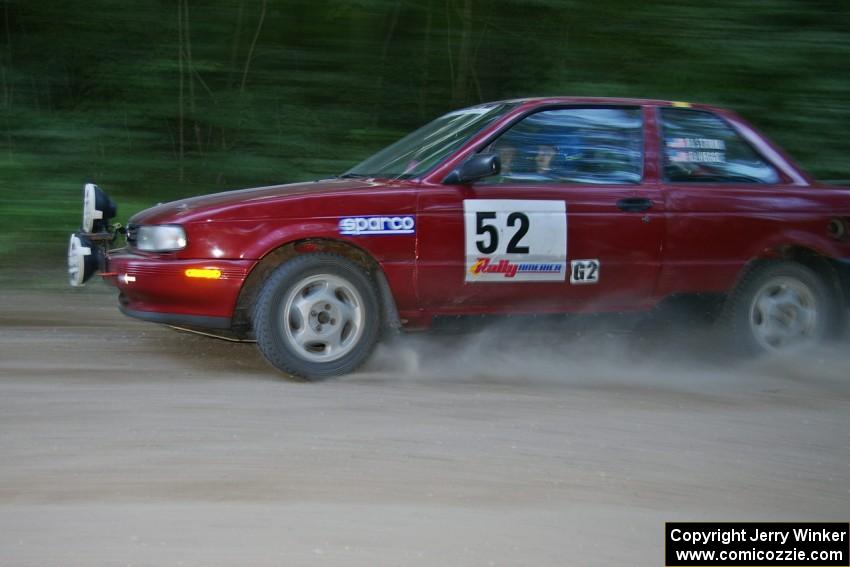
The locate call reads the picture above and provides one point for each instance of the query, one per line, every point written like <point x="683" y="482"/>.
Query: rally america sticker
<point x="364" y="226"/>
<point x="510" y="269"/>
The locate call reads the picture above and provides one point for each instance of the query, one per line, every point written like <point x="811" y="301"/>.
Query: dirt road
<point x="125" y="443"/>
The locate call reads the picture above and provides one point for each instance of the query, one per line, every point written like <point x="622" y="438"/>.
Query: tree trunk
<point x="253" y="45"/>
<point x="379" y="87"/>
<point x="234" y="48"/>
<point x="180" y="90"/>
<point x="464" y="56"/>
<point x="426" y="52"/>
<point x="8" y="84"/>
<point x="191" y="71"/>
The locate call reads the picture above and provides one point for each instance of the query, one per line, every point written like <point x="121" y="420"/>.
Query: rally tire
<point x="317" y="316"/>
<point x="779" y="307"/>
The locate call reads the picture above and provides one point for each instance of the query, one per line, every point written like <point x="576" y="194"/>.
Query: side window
<point x="700" y="147"/>
<point x="573" y="145"/>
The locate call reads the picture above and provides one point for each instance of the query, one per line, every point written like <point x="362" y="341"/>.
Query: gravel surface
<point x="520" y="442"/>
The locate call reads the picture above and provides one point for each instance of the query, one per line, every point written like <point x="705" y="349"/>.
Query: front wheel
<point x="317" y="316"/>
<point x="780" y="307"/>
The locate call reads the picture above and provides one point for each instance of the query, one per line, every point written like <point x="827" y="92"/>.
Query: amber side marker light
<point x="205" y="273"/>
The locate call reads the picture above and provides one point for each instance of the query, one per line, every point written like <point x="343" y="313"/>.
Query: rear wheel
<point x="780" y="307"/>
<point x="317" y="316"/>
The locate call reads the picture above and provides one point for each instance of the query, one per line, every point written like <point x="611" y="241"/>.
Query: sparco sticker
<point x="362" y="226"/>
<point x="511" y="240"/>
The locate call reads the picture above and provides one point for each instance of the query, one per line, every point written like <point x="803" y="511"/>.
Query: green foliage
<point x="158" y="100"/>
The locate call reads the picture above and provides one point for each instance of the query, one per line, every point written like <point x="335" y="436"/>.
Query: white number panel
<point x="511" y="240"/>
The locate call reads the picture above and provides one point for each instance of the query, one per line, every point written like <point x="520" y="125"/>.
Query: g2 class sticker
<point x="364" y="226"/>
<point x="512" y="240"/>
<point x="584" y="271"/>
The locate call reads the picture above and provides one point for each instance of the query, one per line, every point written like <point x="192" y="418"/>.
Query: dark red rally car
<point x="550" y="205"/>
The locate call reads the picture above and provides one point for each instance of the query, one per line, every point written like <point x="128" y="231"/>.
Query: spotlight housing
<point x="98" y="209"/>
<point x="83" y="259"/>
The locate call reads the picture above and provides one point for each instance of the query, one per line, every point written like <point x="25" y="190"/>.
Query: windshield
<point x="421" y="150"/>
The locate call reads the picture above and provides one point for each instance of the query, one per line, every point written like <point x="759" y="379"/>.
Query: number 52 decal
<point x="509" y="240"/>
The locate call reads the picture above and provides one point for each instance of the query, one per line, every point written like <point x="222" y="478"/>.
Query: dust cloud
<point x="666" y="349"/>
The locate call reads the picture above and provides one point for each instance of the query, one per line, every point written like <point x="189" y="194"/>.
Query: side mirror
<point x="477" y="167"/>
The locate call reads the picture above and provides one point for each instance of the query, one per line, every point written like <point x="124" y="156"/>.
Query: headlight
<point x="161" y="238"/>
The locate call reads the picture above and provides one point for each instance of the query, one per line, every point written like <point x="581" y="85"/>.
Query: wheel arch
<point x="834" y="273"/>
<point x="241" y="321"/>
<point x="814" y="258"/>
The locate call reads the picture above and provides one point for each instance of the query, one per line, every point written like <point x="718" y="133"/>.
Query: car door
<point x="725" y="200"/>
<point x="571" y="223"/>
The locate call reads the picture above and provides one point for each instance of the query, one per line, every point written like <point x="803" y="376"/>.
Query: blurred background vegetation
<point x="160" y="99"/>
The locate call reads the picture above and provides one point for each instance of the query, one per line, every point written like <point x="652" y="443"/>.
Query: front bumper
<point x="157" y="289"/>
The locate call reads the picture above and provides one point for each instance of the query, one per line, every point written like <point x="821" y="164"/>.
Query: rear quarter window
<point x="700" y="147"/>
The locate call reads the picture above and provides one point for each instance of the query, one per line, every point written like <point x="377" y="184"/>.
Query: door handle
<point x="634" y="204"/>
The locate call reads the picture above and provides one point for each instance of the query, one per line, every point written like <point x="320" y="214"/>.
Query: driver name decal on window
<point x="696" y="150"/>
<point x="509" y="240"/>
<point x="697" y="157"/>
<point x="697" y="144"/>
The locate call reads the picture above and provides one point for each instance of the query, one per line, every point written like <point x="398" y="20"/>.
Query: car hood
<point x="205" y="207"/>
